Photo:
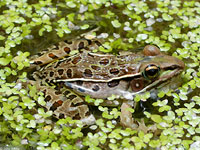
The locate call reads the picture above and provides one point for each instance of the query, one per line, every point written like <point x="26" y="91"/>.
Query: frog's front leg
<point x="126" y="118"/>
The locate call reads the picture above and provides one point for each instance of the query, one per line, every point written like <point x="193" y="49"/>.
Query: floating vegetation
<point x="26" y="27"/>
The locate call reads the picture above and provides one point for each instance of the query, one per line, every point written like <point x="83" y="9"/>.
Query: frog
<point x="70" y="70"/>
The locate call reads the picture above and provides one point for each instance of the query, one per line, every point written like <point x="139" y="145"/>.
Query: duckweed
<point x="28" y="27"/>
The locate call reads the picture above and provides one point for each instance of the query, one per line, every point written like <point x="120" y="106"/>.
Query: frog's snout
<point x="180" y="63"/>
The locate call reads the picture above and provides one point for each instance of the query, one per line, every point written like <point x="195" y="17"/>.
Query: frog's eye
<point x="151" y="71"/>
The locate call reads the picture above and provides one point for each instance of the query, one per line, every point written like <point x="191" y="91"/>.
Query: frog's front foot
<point x="127" y="121"/>
<point x="126" y="118"/>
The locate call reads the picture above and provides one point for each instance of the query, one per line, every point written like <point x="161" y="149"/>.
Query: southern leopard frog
<point x="100" y="76"/>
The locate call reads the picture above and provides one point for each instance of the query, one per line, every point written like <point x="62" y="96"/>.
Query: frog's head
<point x="156" y="70"/>
<point x="156" y="64"/>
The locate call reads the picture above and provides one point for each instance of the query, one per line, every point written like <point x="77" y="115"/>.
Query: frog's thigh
<point x="65" y="104"/>
<point x="58" y="51"/>
<point x="68" y="104"/>
<point x="126" y="118"/>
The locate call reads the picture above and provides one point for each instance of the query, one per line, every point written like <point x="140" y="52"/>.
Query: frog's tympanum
<point x="70" y="70"/>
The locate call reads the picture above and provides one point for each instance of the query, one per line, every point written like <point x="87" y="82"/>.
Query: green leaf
<point x="156" y="118"/>
<point x="5" y="61"/>
<point x="85" y="26"/>
<point x="71" y="4"/>
<point x="167" y="17"/>
<point x="2" y="37"/>
<point x="116" y="23"/>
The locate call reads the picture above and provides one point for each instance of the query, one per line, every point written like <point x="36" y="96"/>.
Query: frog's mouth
<point x="170" y="72"/>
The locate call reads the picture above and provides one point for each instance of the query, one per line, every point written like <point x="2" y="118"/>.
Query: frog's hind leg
<point x="67" y="104"/>
<point x="63" y="49"/>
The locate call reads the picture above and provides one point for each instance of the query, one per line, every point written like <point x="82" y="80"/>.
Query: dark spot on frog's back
<point x="96" y="88"/>
<point x="53" y="56"/>
<point x="69" y="73"/>
<point x="60" y="71"/>
<point x="88" y="73"/>
<point x="71" y="97"/>
<point x="114" y="71"/>
<point x="56" y="105"/>
<point x="104" y="61"/>
<point x="80" y="45"/>
<point x="61" y="116"/>
<point x="58" y="92"/>
<point x="66" y="92"/>
<point x="89" y="42"/>
<point x="76" y="117"/>
<point x="46" y="80"/>
<point x="67" y="50"/>
<point x="51" y="74"/>
<point x="47" y="98"/>
<point x="95" y="67"/>
<point x="113" y="83"/>
<point x="76" y="60"/>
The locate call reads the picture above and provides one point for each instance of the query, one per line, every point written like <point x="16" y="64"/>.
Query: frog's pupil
<point x="152" y="72"/>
